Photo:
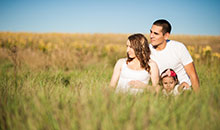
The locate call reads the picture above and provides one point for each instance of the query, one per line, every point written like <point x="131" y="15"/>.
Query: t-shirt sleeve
<point x="185" y="56"/>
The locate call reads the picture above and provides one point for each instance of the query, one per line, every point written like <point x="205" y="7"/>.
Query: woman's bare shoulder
<point x="152" y="63"/>
<point x="120" y="61"/>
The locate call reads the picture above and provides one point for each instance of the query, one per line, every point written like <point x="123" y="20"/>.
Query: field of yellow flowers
<point x="60" y="81"/>
<point x="69" y="50"/>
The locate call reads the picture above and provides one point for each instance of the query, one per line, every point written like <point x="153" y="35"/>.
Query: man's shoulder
<point x="175" y="43"/>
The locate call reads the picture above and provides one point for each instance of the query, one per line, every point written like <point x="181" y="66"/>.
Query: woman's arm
<point x="137" y="84"/>
<point x="141" y="85"/>
<point x="116" y="73"/>
<point x="154" y="72"/>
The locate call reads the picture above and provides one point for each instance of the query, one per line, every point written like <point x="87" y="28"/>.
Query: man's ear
<point x="166" y="36"/>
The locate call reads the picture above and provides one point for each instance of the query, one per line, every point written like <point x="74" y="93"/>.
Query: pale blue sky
<point x="197" y="17"/>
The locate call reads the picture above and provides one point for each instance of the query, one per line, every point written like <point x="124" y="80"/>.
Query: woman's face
<point x="168" y="83"/>
<point x="130" y="50"/>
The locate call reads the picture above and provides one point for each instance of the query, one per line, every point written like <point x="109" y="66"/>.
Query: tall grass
<point x="67" y="88"/>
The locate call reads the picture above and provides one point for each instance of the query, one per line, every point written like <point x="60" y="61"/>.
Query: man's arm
<point x="191" y="71"/>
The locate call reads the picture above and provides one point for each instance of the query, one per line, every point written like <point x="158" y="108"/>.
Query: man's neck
<point x="161" y="46"/>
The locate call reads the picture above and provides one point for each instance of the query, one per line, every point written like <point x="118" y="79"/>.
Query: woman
<point x="134" y="72"/>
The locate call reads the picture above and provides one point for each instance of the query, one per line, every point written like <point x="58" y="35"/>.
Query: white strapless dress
<point x="128" y="75"/>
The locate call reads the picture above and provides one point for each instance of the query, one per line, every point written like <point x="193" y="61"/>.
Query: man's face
<point x="156" y="35"/>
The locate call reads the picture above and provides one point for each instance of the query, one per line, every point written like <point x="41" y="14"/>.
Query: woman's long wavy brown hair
<point x="141" y="48"/>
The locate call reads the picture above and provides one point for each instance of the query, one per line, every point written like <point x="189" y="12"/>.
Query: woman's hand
<point x="137" y="84"/>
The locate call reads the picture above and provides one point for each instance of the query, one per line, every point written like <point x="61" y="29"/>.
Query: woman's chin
<point x="132" y="57"/>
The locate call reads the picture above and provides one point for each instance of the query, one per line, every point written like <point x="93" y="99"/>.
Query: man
<point x="172" y="54"/>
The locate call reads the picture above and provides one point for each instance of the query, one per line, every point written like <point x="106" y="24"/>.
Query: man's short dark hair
<point x="166" y="26"/>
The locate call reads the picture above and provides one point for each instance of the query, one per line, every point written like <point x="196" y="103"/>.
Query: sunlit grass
<point x="66" y="86"/>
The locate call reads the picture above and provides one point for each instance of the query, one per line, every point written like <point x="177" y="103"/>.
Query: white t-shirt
<point x="128" y="75"/>
<point x="174" y="56"/>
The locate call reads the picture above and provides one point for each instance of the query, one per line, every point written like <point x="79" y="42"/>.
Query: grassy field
<point x="60" y="81"/>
